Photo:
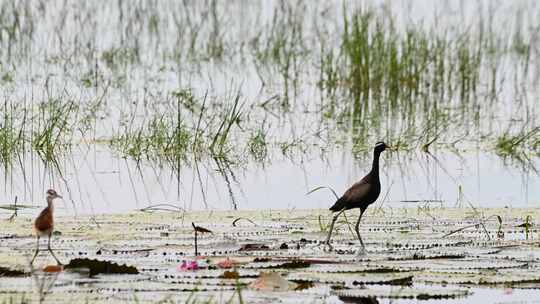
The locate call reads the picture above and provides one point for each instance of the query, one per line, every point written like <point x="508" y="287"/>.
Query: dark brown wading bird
<point x="360" y="195"/>
<point x="44" y="224"/>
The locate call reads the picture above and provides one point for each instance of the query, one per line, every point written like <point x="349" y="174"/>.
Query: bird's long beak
<point x="58" y="196"/>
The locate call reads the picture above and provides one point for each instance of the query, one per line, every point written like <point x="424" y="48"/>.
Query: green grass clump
<point x="219" y="145"/>
<point x="281" y="47"/>
<point x="161" y="139"/>
<point x="116" y="58"/>
<point x="11" y="134"/>
<point x="355" y="75"/>
<point x="257" y="146"/>
<point x="513" y="145"/>
<point x="175" y="139"/>
<point x="413" y="76"/>
<point x="409" y="82"/>
<point x="53" y="134"/>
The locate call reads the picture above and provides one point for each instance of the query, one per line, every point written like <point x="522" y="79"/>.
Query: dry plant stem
<point x="14" y="211"/>
<point x="162" y="207"/>
<point x="481" y="220"/>
<point x="460" y="229"/>
<point x="481" y="223"/>
<point x="243" y="218"/>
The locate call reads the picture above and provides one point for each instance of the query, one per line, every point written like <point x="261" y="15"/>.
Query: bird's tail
<point x="338" y="205"/>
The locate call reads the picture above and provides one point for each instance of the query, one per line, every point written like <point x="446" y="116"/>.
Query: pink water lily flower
<point x="188" y="265"/>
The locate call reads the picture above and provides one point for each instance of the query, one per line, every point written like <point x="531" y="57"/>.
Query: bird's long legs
<point x="327" y="243"/>
<point x="50" y="250"/>
<point x="37" y="251"/>
<point x="356" y="228"/>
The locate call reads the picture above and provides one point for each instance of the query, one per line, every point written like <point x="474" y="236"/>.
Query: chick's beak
<point x="58" y="196"/>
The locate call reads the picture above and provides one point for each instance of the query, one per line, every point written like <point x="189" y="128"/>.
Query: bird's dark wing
<point x="353" y="196"/>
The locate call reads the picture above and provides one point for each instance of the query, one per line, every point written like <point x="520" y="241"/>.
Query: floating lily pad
<point x="251" y="247"/>
<point x="101" y="267"/>
<point x="352" y="278"/>
<point x="402" y="293"/>
<point x="205" y="274"/>
<point x="7" y="272"/>
<point x="351" y="268"/>
<point x="509" y="277"/>
<point x="285" y="264"/>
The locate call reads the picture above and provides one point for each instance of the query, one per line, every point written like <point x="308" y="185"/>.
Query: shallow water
<point x="70" y="61"/>
<point x="100" y="183"/>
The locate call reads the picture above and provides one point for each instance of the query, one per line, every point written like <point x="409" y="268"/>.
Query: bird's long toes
<point x="328" y="248"/>
<point x="361" y="252"/>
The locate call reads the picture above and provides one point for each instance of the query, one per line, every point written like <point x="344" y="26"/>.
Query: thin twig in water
<point x="14" y="210"/>
<point x="461" y="229"/>
<point x="162" y="207"/>
<point x="201" y="230"/>
<point x="243" y="218"/>
<point x="481" y="217"/>
<point x="477" y="225"/>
